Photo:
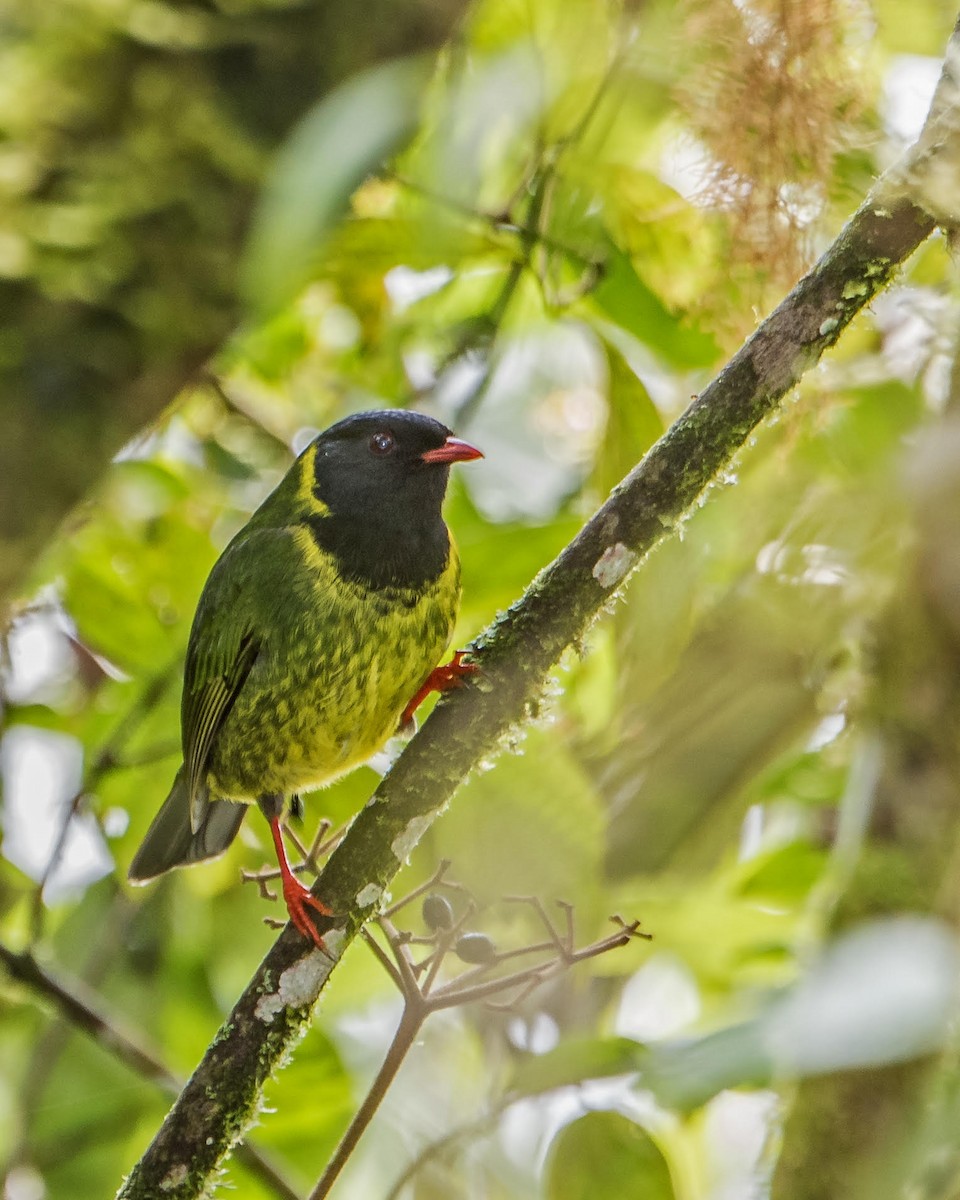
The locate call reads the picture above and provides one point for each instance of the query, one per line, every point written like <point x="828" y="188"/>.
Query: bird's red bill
<point x="453" y="450"/>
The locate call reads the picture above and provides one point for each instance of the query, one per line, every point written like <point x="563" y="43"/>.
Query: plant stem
<point x="413" y="1017"/>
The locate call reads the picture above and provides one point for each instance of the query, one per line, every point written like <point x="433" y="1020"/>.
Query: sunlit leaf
<point x="785" y="875"/>
<point x="667" y="237"/>
<point x="606" y="1154"/>
<point x="633" y="424"/>
<point x="882" y="993"/>
<point x="348" y="135"/>
<point x="574" y="1061"/>
<point x="623" y="296"/>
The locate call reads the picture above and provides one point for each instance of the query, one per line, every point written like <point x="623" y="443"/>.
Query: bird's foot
<point x="441" y="679"/>
<point x="298" y="898"/>
<point x="299" y="901"/>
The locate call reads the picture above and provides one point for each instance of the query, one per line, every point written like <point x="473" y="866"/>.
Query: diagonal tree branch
<point x="515" y="655"/>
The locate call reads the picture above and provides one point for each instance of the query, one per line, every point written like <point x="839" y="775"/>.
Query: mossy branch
<point x="516" y="655"/>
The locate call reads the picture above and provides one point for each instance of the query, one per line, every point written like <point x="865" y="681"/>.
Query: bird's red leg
<point x="441" y="679"/>
<point x="297" y="898"/>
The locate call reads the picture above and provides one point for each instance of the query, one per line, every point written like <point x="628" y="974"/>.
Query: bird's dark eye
<point x="382" y="443"/>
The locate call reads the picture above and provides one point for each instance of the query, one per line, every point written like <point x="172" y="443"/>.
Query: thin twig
<point x="444" y="942"/>
<point x="110" y="758"/>
<point x="383" y="958"/>
<point x="405" y="965"/>
<point x="230" y="398"/>
<point x="537" y="905"/>
<point x="419" y="1000"/>
<point x="85" y="1011"/>
<point x="435" y="878"/>
<point x="453" y="993"/>
<point x="413" y="1017"/>
<point x="518" y="997"/>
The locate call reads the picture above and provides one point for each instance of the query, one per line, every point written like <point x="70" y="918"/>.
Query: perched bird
<point x="316" y="634"/>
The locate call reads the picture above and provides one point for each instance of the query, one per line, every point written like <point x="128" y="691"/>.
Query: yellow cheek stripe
<point x="305" y="493"/>
<point x="313" y="556"/>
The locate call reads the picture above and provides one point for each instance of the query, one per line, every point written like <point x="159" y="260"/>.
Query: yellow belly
<point x="327" y="690"/>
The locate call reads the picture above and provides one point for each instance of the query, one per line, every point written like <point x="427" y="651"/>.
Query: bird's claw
<point x="452" y="674"/>
<point x="299" y="900"/>
<point x="441" y="679"/>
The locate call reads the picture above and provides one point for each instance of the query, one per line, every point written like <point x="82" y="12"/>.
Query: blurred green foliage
<point x="134" y="137"/>
<point x="538" y="268"/>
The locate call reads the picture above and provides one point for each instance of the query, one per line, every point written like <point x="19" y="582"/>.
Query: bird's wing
<point x="224" y="644"/>
<point x="205" y="707"/>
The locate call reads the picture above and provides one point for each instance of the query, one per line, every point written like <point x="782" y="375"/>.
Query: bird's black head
<point x="380" y="479"/>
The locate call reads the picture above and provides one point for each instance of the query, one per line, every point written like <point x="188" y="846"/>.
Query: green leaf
<point x="883" y="993"/>
<point x="345" y="137"/>
<point x="633" y="424"/>
<point x="482" y="126"/>
<point x="40" y="716"/>
<point x="861" y="434"/>
<point x="499" y="560"/>
<point x="606" y="1154"/>
<point x="534" y="825"/>
<point x="624" y="297"/>
<point x="685" y="1075"/>
<point x="785" y="875"/>
<point x="672" y="242"/>
<point x="573" y="1061"/>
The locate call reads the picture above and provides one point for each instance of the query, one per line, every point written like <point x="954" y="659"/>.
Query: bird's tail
<point x="170" y="842"/>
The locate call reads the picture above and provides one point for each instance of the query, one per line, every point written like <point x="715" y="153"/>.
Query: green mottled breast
<point x="337" y="662"/>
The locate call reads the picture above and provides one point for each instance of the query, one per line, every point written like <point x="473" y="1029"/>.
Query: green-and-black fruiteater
<point x="317" y="633"/>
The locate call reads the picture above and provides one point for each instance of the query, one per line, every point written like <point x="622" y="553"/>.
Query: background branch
<point x="79" y="1006"/>
<point x="110" y="758"/>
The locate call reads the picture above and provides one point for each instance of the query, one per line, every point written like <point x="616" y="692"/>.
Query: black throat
<point x="382" y="519"/>
<point x="382" y="553"/>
